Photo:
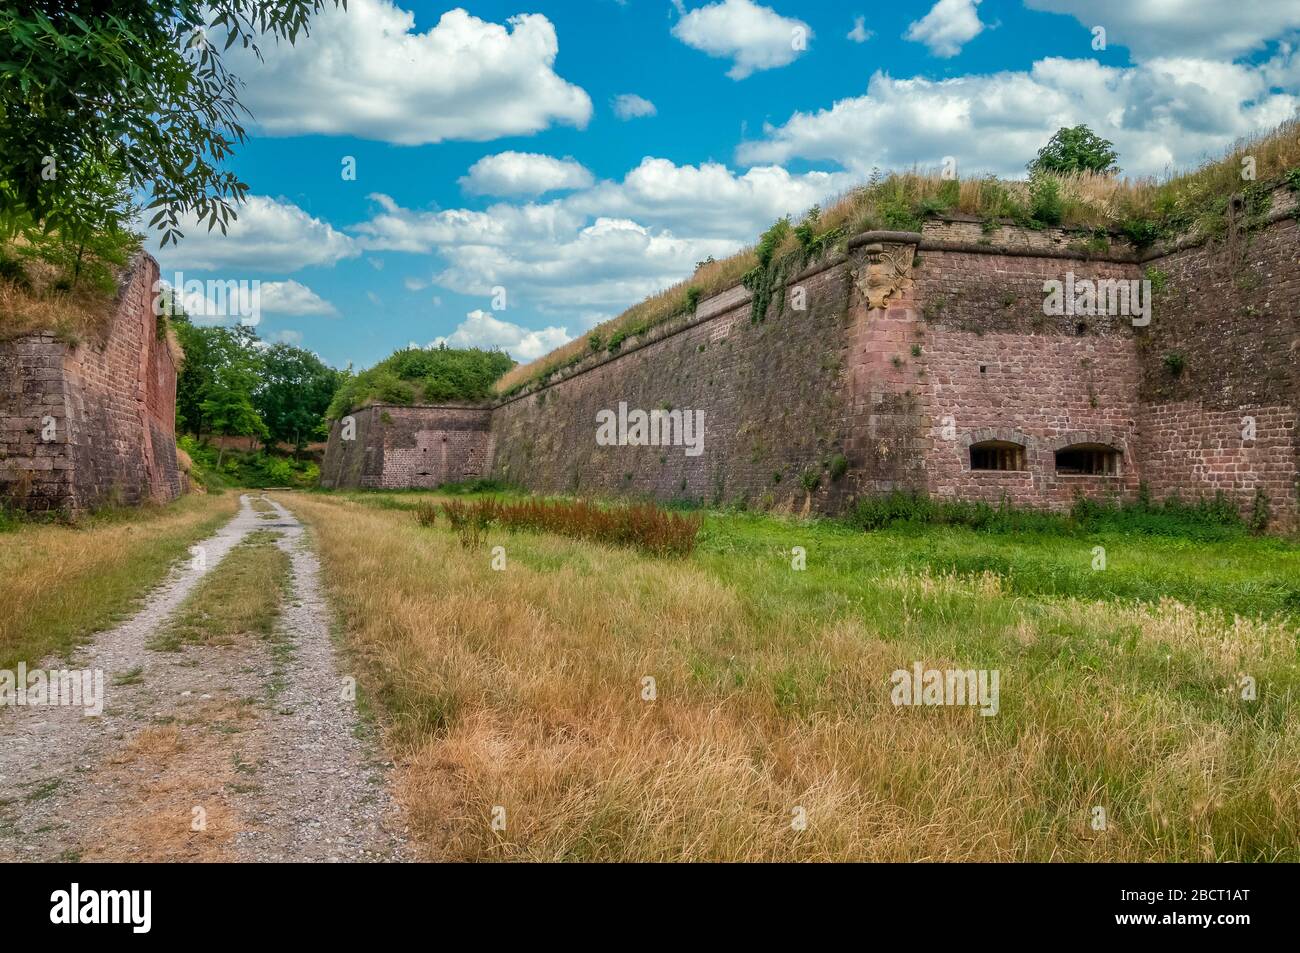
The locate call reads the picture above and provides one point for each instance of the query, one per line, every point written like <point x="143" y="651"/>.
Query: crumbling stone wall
<point x="93" y="421"/>
<point x="388" y="446"/>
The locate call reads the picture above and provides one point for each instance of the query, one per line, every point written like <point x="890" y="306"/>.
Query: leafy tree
<point x="288" y="388"/>
<point x="209" y="351"/>
<point x="1076" y="149"/>
<point x="228" y="405"/>
<point x="295" y="390"/>
<point x="99" y="100"/>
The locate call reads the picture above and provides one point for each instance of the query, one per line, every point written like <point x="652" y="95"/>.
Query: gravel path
<point x="250" y="751"/>
<point x="322" y="763"/>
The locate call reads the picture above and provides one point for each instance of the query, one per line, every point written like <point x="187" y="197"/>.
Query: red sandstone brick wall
<point x="994" y="367"/>
<point x="1193" y="451"/>
<point x="34" y="472"/>
<point x="428" y="447"/>
<point x="113" y="404"/>
<point x="1229" y="311"/>
<point x="399" y="447"/>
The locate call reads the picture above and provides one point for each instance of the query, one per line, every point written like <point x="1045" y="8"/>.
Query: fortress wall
<point x="914" y="346"/>
<point x="772" y="394"/>
<point x="994" y="367"/>
<point x="396" y="447"/>
<point x="1230" y="313"/>
<point x="93" y="422"/>
<point x="35" y="472"/>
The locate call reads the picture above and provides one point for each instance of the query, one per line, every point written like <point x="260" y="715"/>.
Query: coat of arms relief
<point x="885" y="271"/>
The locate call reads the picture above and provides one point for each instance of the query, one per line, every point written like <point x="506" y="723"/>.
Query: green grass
<point x="240" y="596"/>
<point x="1207" y="564"/>
<point x="1245" y="575"/>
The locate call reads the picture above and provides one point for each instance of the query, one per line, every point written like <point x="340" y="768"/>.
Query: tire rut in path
<point x="258" y="737"/>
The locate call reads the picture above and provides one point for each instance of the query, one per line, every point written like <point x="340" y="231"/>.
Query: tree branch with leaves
<point x="99" y="101"/>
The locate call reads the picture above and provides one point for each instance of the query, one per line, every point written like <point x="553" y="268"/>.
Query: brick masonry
<point x="1234" y="324"/>
<point x="393" y="447"/>
<point x="910" y="349"/>
<point x="88" y="423"/>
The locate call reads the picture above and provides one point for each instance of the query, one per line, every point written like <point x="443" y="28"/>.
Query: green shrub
<point x="1141" y="231"/>
<point x="693" y="298"/>
<point x="1045" y="203"/>
<point x="1259" y="511"/>
<point x="423" y="375"/>
<point x="1159" y="279"/>
<point x="242" y="468"/>
<point x="277" y="471"/>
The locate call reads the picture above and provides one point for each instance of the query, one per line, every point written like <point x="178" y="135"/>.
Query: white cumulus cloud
<point x="1161" y="115"/>
<point x="483" y="330"/>
<point x="269" y="235"/>
<point x="859" y="33"/>
<point x="524" y="173"/>
<point x="290" y="297"/>
<point x="631" y="106"/>
<point x="948" y="26"/>
<point x="600" y="249"/>
<point x="365" y="72"/>
<point x="1192" y="28"/>
<point x="754" y="37"/>
<point x="708" y="199"/>
<point x="607" y="265"/>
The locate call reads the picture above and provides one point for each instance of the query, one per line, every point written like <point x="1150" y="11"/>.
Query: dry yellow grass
<point x="59" y="584"/>
<point x="69" y="315"/>
<point x="158" y="778"/>
<point x="41" y="292"/>
<point x="523" y="690"/>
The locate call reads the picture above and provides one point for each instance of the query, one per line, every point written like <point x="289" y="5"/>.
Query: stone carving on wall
<point x="885" y="271"/>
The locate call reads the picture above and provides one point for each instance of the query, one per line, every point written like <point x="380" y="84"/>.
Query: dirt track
<point x="250" y="751"/>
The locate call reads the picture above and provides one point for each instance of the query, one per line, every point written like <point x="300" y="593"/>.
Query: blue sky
<point x="489" y="152"/>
